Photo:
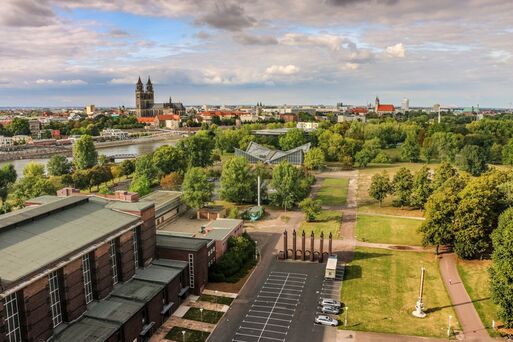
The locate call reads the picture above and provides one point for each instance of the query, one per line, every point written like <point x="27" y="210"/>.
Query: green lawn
<point x="333" y="191"/>
<point x="328" y="222"/>
<point x="175" y="334"/>
<point x="474" y="274"/>
<point x="382" y="229"/>
<point x="216" y="299"/>
<point x="209" y="316"/>
<point x="381" y="287"/>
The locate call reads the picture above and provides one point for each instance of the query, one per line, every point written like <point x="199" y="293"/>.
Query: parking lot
<point x="330" y="288"/>
<point x="272" y="312"/>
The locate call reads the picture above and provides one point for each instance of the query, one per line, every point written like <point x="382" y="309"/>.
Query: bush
<point x="233" y="213"/>
<point x="236" y="262"/>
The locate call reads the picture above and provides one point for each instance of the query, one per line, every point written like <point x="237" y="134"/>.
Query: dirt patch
<point x="401" y="248"/>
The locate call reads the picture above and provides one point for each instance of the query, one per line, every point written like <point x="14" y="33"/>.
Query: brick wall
<point x="37" y="315"/>
<point x="126" y="254"/>
<point x="148" y="237"/>
<point x="133" y="327"/>
<point x="102" y="271"/>
<point x="154" y="307"/>
<point x="3" y="338"/>
<point x="74" y="297"/>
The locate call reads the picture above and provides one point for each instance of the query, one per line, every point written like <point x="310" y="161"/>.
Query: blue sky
<point x="75" y="52"/>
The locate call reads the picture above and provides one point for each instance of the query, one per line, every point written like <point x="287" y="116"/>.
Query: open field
<point x="216" y="299"/>
<point x="333" y="191"/>
<point x="175" y="334"/>
<point x="381" y="287"/>
<point x="474" y="274"/>
<point x="208" y="316"/>
<point x="367" y="204"/>
<point x="392" y="230"/>
<point x="328" y="222"/>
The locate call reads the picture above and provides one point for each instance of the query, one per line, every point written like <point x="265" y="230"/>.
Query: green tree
<point x="421" y="188"/>
<point x="286" y="182"/>
<point x="171" y="181"/>
<point x="473" y="160"/>
<point x="141" y="184"/>
<point x="382" y="158"/>
<point x="144" y="166"/>
<point x="34" y="169"/>
<point x="293" y="138"/>
<point x="311" y="208"/>
<point x="19" y="126"/>
<point x="196" y="188"/>
<point x="501" y="271"/>
<point x="31" y="186"/>
<point x="429" y="150"/>
<point x="238" y="182"/>
<point x="58" y="165"/>
<point x="482" y="200"/>
<point x="403" y="185"/>
<point x="440" y="209"/>
<point x="84" y="153"/>
<point x="380" y="187"/>
<point x="448" y="145"/>
<point x="102" y="160"/>
<point x="507" y="153"/>
<point x="410" y="149"/>
<point x="442" y="174"/>
<point x="314" y="159"/>
<point x="7" y="178"/>
<point x="197" y="149"/>
<point x="167" y="159"/>
<point x="127" y="167"/>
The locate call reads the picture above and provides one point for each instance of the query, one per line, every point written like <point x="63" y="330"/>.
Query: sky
<point x="78" y="52"/>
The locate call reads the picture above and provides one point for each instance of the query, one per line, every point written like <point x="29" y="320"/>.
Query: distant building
<point x="6" y="141"/>
<point x="35" y="128"/>
<point x="383" y="108"/>
<point x="90" y="109"/>
<point x="114" y="133"/>
<point x="307" y="125"/>
<point x="220" y="231"/>
<point x="350" y="117"/>
<point x="258" y="153"/>
<point x="145" y="105"/>
<point x="171" y="121"/>
<point x="288" y="117"/>
<point x="207" y="116"/>
<point x="405" y="105"/>
<point x="358" y="111"/>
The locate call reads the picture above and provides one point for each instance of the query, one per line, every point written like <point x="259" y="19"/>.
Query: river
<point x="137" y="149"/>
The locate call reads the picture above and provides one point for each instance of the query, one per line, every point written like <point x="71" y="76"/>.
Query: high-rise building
<point x="405" y="105"/>
<point x="90" y="109"/>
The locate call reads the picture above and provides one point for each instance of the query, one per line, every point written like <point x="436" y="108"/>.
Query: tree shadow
<point x="368" y="255"/>
<point x="352" y="272"/>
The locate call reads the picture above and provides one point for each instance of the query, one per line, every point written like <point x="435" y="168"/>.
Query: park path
<point x="470" y="322"/>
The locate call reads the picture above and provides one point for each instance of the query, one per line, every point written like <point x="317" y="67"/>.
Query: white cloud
<point x="73" y="82"/>
<point x="396" y="50"/>
<point x="282" y="70"/>
<point x="500" y="55"/>
<point x="333" y="42"/>
<point x="351" y="66"/>
<point x="42" y="81"/>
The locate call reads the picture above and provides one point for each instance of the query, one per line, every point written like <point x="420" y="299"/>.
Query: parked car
<point x="330" y="302"/>
<point x="328" y="309"/>
<point x="326" y="320"/>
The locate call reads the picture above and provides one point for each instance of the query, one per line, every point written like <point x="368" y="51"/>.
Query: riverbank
<point x="47" y="152"/>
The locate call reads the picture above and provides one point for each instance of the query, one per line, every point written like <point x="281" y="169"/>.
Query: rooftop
<point x="87" y="330"/>
<point x="33" y="238"/>
<point x="162" y="198"/>
<point x="179" y="264"/>
<point x="159" y="274"/>
<point x="224" y="223"/>
<point x="138" y="290"/>
<point x="165" y="239"/>
<point x="114" y="310"/>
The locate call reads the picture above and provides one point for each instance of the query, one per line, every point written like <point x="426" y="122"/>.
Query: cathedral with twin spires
<point x="145" y="106"/>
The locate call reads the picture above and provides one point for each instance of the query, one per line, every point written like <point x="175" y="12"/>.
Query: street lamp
<point x="216" y="297"/>
<point x="345" y="320"/>
<point x="183" y="335"/>
<point x="449" y="327"/>
<point x="256" y="251"/>
<point x="201" y="314"/>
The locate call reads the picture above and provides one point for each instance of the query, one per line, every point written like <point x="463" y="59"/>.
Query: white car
<point x="328" y="309"/>
<point x="326" y="320"/>
<point x="330" y="302"/>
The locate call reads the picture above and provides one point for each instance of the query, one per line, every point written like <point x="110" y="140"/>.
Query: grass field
<point x="175" y="334"/>
<point x="209" y="316"/>
<point x="328" y="222"/>
<point x="474" y="274"/>
<point x="333" y="191"/>
<point x="216" y="299"/>
<point x="367" y="204"/>
<point x="381" y="287"/>
<point x="381" y="229"/>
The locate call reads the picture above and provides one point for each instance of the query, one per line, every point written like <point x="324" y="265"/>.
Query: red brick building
<point x="83" y="268"/>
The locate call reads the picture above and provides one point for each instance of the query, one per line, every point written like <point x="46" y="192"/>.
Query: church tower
<point x="149" y="98"/>
<point x="376" y="105"/>
<point x="139" y="98"/>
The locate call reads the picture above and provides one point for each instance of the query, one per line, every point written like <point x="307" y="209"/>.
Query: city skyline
<point x="71" y="53"/>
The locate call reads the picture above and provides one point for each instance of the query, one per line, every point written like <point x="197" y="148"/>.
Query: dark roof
<point x="180" y="243"/>
<point x="158" y="274"/>
<point x="114" y="310"/>
<point x="142" y="291"/>
<point x="87" y="330"/>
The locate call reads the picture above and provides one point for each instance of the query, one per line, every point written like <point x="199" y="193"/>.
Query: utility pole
<point x="258" y="181"/>
<point x="420" y="306"/>
<point x="439" y="116"/>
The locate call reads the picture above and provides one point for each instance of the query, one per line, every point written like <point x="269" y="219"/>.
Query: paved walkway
<point x="394" y="216"/>
<point x="360" y="336"/>
<point x="473" y="329"/>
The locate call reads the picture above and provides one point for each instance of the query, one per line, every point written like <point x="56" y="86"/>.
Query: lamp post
<point x="256" y="251"/>
<point x="183" y="335"/>
<point x="449" y="327"/>
<point x="201" y="315"/>
<point x="216" y="297"/>
<point x="345" y="320"/>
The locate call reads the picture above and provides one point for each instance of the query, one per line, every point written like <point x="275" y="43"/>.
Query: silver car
<point x="326" y="320"/>
<point x="328" y="309"/>
<point x="330" y="302"/>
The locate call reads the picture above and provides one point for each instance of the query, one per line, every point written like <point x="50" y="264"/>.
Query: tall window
<point x="88" y="285"/>
<point x="136" y="249"/>
<point x="191" y="270"/>
<point x="55" y="298"/>
<point x="114" y="262"/>
<point x="12" y="318"/>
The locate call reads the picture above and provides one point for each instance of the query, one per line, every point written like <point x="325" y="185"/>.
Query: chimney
<point x="66" y="192"/>
<point x="126" y="196"/>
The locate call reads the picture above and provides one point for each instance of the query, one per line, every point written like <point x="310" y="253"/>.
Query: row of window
<point x="211" y="251"/>
<point x="12" y="319"/>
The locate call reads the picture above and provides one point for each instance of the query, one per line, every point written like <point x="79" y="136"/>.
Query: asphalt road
<point x="254" y="317"/>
